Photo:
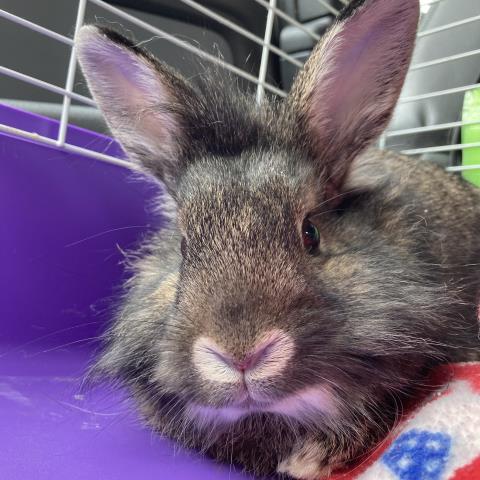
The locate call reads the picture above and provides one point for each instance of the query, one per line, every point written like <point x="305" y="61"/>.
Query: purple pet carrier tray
<point x="64" y="221"/>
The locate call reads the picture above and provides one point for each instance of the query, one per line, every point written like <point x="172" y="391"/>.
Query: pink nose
<point x="250" y="361"/>
<point x="268" y="358"/>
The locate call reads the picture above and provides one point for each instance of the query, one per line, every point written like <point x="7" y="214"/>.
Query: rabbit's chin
<point x="306" y="406"/>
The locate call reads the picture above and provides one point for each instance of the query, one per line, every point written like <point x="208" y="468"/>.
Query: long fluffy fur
<point x="390" y="293"/>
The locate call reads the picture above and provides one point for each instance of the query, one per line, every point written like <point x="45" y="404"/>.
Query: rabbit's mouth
<point x="305" y="406"/>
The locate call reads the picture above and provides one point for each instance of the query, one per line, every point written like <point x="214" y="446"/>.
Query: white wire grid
<point x="262" y="85"/>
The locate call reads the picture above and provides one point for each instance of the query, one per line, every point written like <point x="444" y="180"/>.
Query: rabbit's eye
<point x="183" y="246"/>
<point x="311" y="237"/>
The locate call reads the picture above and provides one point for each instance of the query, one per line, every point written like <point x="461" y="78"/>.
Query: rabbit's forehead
<point x="240" y="206"/>
<point x="272" y="188"/>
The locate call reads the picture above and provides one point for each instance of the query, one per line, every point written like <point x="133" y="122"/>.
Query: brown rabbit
<point x="307" y="282"/>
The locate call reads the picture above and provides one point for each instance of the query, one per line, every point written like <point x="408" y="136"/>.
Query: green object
<point x="471" y="134"/>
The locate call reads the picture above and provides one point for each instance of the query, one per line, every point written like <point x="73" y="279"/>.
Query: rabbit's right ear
<point x="146" y="105"/>
<point x="346" y="93"/>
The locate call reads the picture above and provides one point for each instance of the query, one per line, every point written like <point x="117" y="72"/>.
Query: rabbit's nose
<point x="251" y="360"/>
<point x="268" y="358"/>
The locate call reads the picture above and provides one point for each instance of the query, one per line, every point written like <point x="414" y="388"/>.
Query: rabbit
<point x="307" y="282"/>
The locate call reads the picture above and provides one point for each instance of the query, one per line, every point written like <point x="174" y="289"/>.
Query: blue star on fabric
<point x="418" y="455"/>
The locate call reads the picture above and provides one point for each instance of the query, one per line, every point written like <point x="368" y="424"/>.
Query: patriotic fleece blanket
<point x="439" y="440"/>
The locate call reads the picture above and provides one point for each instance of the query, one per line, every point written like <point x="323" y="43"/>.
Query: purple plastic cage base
<point x="65" y="220"/>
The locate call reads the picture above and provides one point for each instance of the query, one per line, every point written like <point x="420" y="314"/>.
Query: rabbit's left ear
<point x="346" y="93"/>
<point x="145" y="103"/>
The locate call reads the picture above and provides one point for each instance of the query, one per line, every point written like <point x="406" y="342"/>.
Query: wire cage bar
<point x="272" y="12"/>
<point x="265" y="51"/>
<point x="72" y="67"/>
